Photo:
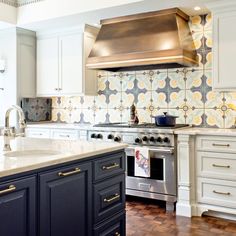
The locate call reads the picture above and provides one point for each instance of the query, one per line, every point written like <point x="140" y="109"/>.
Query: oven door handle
<point x="160" y="150"/>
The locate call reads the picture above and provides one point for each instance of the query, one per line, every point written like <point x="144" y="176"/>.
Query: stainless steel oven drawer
<point x="151" y="185"/>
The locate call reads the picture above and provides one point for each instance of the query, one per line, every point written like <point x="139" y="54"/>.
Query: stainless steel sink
<point x="32" y="153"/>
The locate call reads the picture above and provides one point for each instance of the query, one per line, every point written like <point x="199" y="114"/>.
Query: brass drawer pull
<point x="8" y="190"/>
<point x="114" y="165"/>
<point x="116" y="196"/>
<point x="64" y="135"/>
<point x="76" y="171"/>
<point x="215" y="165"/>
<point x="220" y="145"/>
<point x="214" y="191"/>
<point x="117" y="234"/>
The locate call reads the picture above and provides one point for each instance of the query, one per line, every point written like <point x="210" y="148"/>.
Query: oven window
<point x="157" y="168"/>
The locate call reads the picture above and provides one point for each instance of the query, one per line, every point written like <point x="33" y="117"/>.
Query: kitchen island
<point x="56" y="187"/>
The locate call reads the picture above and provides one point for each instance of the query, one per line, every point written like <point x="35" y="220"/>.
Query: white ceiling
<point x="94" y="16"/>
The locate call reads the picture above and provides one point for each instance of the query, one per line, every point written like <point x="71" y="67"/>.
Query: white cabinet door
<point x="71" y="64"/>
<point x="47" y="67"/>
<point x="224" y="51"/>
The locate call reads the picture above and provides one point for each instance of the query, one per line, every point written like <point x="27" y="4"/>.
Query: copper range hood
<point x="155" y="39"/>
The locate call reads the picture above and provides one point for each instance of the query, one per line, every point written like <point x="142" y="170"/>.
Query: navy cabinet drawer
<point x="107" y="167"/>
<point x="112" y="227"/>
<point x="109" y="197"/>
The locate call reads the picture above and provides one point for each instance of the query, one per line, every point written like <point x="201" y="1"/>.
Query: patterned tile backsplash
<point x="186" y="93"/>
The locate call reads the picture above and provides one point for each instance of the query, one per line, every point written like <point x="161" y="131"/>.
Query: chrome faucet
<point x="10" y="132"/>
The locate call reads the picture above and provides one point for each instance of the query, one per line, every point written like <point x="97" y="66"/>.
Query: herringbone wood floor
<point x="148" y="218"/>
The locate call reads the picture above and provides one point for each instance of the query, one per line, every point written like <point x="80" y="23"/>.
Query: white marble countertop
<point x="64" y="151"/>
<point x="206" y="131"/>
<point x="53" y="125"/>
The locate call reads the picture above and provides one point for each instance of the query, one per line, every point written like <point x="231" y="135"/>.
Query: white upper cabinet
<point x="47" y="66"/>
<point x="224" y="44"/>
<point x="61" y="59"/>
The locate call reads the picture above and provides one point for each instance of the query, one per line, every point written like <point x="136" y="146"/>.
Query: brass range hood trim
<point x="138" y="62"/>
<point x="140" y="40"/>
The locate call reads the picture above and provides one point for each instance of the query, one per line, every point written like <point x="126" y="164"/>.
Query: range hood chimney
<point x="148" y="40"/>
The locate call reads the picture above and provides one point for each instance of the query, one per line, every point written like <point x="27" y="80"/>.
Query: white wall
<point x="58" y="8"/>
<point x="8" y="78"/>
<point x="8" y="14"/>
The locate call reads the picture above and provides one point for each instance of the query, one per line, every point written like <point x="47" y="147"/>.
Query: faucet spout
<point x="10" y="132"/>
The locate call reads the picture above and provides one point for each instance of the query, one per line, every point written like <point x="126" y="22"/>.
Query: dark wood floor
<point x="148" y="218"/>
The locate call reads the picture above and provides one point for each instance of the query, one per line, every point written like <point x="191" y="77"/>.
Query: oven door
<point x="163" y="179"/>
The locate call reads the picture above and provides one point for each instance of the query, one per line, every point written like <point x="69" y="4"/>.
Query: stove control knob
<point x="166" y="140"/>
<point x="159" y="140"/>
<point x="137" y="140"/>
<point x="93" y="136"/>
<point x="145" y="138"/>
<point x="110" y="136"/>
<point x="152" y="139"/>
<point x="99" y="136"/>
<point x="117" y="139"/>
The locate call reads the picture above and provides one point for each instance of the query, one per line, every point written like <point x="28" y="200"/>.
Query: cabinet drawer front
<point x="216" y="144"/>
<point x="112" y="227"/>
<point x="217" y="192"/>
<point x="109" y="197"/>
<point x="216" y="165"/>
<point x="38" y="133"/>
<point x="110" y="166"/>
<point x="65" y="134"/>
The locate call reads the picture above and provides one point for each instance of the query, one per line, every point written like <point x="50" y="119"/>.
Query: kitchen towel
<point x="142" y="162"/>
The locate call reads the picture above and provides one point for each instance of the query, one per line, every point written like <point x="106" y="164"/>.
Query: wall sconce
<point x="2" y="65"/>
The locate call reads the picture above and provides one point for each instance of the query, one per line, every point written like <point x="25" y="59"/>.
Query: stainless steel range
<point x="161" y="142"/>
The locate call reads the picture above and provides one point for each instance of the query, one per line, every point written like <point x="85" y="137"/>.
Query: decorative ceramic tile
<point x="114" y="82"/>
<point x="101" y="116"/>
<point x="194" y="99"/>
<point x="180" y="113"/>
<point x="208" y="36"/>
<point x="208" y="24"/>
<point x="115" y="115"/>
<point x="144" y="100"/>
<point x="88" y="102"/>
<point x="177" y="78"/>
<point x="214" y="100"/>
<point x="128" y="82"/>
<point x="144" y="116"/>
<point x="196" y="24"/>
<point x="125" y="115"/>
<point x="177" y="99"/>
<point x="144" y="81"/>
<point x="76" y="116"/>
<point x="159" y="99"/>
<point x="83" y="116"/>
<point x="214" y="118"/>
<point x="36" y="109"/>
<point x="230" y="118"/>
<point x="101" y="101"/>
<point x="127" y="99"/>
<point x="159" y="81"/>
<point x="208" y="64"/>
<point x="195" y="117"/>
<point x="197" y="36"/>
<point x="194" y="78"/>
<point x="115" y="100"/>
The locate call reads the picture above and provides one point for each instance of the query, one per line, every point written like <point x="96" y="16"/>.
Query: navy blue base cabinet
<point x="80" y="198"/>
<point x="18" y="207"/>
